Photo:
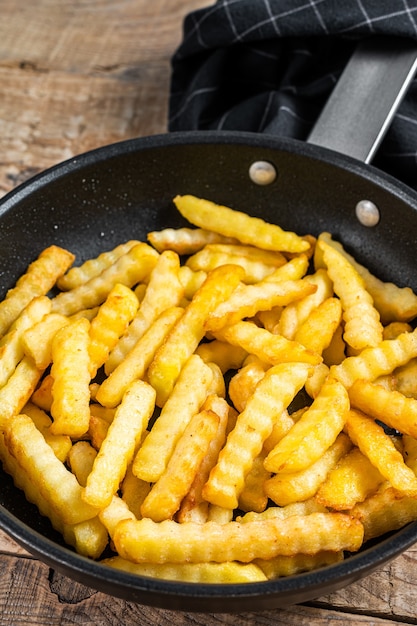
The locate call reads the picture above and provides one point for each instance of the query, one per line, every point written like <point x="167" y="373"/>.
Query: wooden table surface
<point x="75" y="75"/>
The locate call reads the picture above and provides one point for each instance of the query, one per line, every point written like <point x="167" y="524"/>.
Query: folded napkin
<point x="269" y="66"/>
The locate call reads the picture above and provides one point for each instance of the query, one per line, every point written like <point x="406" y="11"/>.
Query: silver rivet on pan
<point x="367" y="213"/>
<point x="262" y="173"/>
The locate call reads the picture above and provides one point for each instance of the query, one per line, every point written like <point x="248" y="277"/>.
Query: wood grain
<point x="76" y="75"/>
<point x="45" y="597"/>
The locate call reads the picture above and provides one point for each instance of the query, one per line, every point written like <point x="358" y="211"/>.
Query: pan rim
<point x="173" y="594"/>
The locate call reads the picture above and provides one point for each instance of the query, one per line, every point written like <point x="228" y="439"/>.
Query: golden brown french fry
<point x="145" y="541"/>
<point x="289" y="565"/>
<point x="286" y="489"/>
<point x="137" y="361"/>
<point x="270" y="348"/>
<point x="186" y="241"/>
<point x="128" y="269"/>
<point x="57" y="485"/>
<point x="163" y="291"/>
<point x="42" y="396"/>
<point x="363" y="328"/>
<point x="166" y="495"/>
<point x="390" y="407"/>
<point x="297" y="313"/>
<point x="60" y="444"/>
<point x="81" y="459"/>
<point x="134" y="491"/>
<point x="116" y="451"/>
<point x="223" y="573"/>
<point x="243" y="383"/>
<point x="272" y="395"/>
<point x="37" y="340"/>
<point x="385" y="511"/>
<point x="313" y="433"/>
<point x="381" y="451"/>
<point x="39" y="278"/>
<point x="256" y="263"/>
<point x="247" y="300"/>
<point x="232" y="223"/>
<point x="111" y="321"/>
<point x="352" y="480"/>
<point x="93" y="267"/>
<point x="18" y="389"/>
<point x="186" y="399"/>
<point x="11" y="344"/>
<point x="374" y="362"/>
<point x="70" y="372"/>
<point x="394" y="303"/>
<point x="317" y="332"/>
<point x="187" y="333"/>
<point x="193" y="506"/>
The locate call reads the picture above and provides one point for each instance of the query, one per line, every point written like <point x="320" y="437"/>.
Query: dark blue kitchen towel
<point x="270" y="65"/>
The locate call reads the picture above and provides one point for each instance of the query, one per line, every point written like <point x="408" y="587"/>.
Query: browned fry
<point x="39" y="278"/>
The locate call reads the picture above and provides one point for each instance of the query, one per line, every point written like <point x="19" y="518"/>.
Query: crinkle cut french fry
<point x="296" y="313"/>
<point x="39" y="278"/>
<point x="247" y="300"/>
<point x="81" y="459"/>
<point x="314" y="432"/>
<point x="129" y="269"/>
<point x="243" y="383"/>
<point x="60" y="444"/>
<point x="116" y="511"/>
<point x="390" y="407"/>
<point x="317" y="332"/>
<point x="363" y="328"/>
<point x="18" y="389"/>
<point x="166" y="495"/>
<point x="42" y="395"/>
<point x="186" y="399"/>
<point x="252" y="497"/>
<point x="111" y="321"/>
<point x="163" y="291"/>
<point x="144" y="541"/>
<point x="193" y="505"/>
<point x="11" y="345"/>
<point x="272" y="395"/>
<point x="374" y="443"/>
<point x="289" y="565"/>
<point x="89" y="538"/>
<point x="374" y="362"/>
<point x="189" y="330"/>
<point x="117" y="450"/>
<point x="352" y="480"/>
<point x="37" y="340"/>
<point x="286" y="489"/>
<point x="223" y="573"/>
<point x="232" y="223"/>
<point x="271" y="348"/>
<point x="57" y="485"/>
<point x="137" y="361"/>
<point x="256" y="263"/>
<point x="134" y="491"/>
<point x="70" y="372"/>
<point x="93" y="267"/>
<point x="394" y="303"/>
<point x="186" y="241"/>
<point x="385" y="511"/>
<point x="305" y="507"/>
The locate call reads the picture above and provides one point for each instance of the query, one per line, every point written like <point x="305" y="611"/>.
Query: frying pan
<point x="101" y="198"/>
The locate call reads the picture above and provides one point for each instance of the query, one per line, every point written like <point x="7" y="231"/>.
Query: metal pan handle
<point x="366" y="97"/>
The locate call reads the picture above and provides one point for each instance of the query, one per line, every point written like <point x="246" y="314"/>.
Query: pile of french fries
<point x="228" y="402"/>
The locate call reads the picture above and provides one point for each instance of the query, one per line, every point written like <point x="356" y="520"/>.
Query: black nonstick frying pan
<point x="99" y="199"/>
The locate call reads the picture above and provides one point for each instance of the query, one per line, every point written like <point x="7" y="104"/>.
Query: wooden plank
<point x="46" y="597"/>
<point x="78" y="75"/>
